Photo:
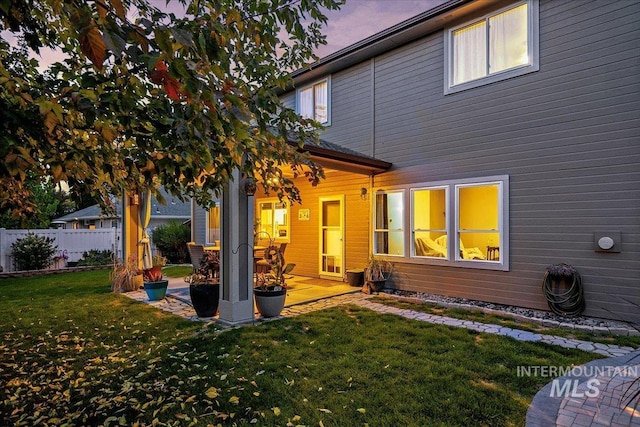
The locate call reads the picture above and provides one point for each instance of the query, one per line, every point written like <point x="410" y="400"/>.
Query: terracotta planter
<point x="205" y="298"/>
<point x="270" y="303"/>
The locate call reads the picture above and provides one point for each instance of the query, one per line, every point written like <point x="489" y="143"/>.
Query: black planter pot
<point x="205" y="298"/>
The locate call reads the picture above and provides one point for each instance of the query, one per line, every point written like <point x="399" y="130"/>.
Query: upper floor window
<point x="497" y="46"/>
<point x="314" y="101"/>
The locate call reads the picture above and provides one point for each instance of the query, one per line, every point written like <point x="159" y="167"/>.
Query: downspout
<point x="373" y="106"/>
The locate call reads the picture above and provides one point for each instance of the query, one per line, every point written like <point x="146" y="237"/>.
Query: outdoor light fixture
<point x="134" y="199"/>
<point x="249" y="186"/>
<point x="363" y="193"/>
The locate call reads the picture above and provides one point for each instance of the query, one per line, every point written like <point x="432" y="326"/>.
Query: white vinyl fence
<point x="74" y="242"/>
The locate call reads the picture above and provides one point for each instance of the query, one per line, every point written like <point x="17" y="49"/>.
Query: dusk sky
<point x="359" y="19"/>
<point x="356" y="20"/>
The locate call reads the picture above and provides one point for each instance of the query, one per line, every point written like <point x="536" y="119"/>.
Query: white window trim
<point x="447" y="225"/>
<point x="311" y="85"/>
<point x="534" y="48"/>
<point x="402" y="227"/>
<point x="453" y="260"/>
<point x="272" y="235"/>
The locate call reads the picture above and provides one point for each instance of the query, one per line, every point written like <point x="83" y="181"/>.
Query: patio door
<point x="332" y="236"/>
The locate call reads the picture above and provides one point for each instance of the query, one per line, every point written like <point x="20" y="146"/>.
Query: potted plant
<point x="204" y="285"/>
<point x="154" y="285"/>
<point x="126" y="276"/>
<point x="271" y="290"/>
<point x="157" y="262"/>
<point x="376" y="273"/>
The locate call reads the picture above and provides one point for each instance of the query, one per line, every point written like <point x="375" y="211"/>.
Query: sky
<point x="355" y="21"/>
<point x="359" y="19"/>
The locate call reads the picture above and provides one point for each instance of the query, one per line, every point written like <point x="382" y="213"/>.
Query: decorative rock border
<point x="593" y="325"/>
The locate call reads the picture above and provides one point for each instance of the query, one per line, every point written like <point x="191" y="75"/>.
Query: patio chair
<point x="196" y="253"/>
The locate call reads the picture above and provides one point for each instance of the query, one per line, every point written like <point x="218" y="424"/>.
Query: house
<point x="474" y="145"/>
<point x="93" y="217"/>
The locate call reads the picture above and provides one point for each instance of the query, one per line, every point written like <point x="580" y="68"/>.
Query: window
<point x="478" y="225"/>
<point x="389" y="232"/>
<point x="429" y="218"/>
<point x="213" y="225"/>
<point x="273" y="220"/>
<point x="314" y="100"/>
<point x="495" y="47"/>
<point x="461" y="223"/>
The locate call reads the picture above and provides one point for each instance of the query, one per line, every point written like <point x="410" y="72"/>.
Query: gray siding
<point x="352" y="109"/>
<point x="568" y="136"/>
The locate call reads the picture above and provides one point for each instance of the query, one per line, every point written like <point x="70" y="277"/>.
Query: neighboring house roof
<point x="400" y="34"/>
<point x="174" y="209"/>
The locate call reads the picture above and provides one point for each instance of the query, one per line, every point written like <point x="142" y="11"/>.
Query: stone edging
<point x="623" y="330"/>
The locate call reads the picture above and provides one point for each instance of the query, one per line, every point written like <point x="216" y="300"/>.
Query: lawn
<point x="72" y="352"/>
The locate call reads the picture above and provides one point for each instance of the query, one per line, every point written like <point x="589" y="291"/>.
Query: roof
<point x="174" y="209"/>
<point x="338" y="157"/>
<point x="400" y="34"/>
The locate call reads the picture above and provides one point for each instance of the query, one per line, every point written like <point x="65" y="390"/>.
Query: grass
<point x="177" y="270"/>
<point x="74" y="353"/>
<point x="479" y="316"/>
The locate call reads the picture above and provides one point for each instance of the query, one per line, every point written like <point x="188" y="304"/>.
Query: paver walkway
<point x="584" y="403"/>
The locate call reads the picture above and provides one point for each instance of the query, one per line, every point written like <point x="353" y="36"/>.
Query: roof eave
<point x="400" y="34"/>
<point x="346" y="161"/>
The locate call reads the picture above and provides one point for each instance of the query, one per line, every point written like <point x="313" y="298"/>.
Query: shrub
<point x="33" y="252"/>
<point x="171" y="239"/>
<point x="96" y="257"/>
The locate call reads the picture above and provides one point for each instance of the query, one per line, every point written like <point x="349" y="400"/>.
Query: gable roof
<point x="173" y="209"/>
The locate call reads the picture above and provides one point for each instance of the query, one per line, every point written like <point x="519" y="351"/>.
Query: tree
<point x="165" y="100"/>
<point x="50" y="201"/>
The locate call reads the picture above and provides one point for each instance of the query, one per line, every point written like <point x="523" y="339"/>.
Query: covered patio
<point x="301" y="290"/>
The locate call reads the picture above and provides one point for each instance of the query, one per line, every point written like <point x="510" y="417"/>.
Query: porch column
<point x="131" y="227"/>
<point x="236" y="267"/>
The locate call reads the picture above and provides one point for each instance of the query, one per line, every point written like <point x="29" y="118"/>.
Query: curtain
<point x="306" y="103"/>
<point x="321" y="106"/>
<point x="469" y="53"/>
<point x="145" y="218"/>
<point x="508" y="46"/>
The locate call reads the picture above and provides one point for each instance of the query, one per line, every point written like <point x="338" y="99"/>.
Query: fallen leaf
<point x="212" y="393"/>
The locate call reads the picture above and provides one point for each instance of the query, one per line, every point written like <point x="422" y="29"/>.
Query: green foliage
<point x="171" y="238"/>
<point x="82" y="356"/>
<point x="162" y="100"/>
<point x="33" y="252"/>
<point x="96" y="257"/>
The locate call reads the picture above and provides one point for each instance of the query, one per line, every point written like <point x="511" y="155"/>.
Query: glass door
<point x="332" y="236"/>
